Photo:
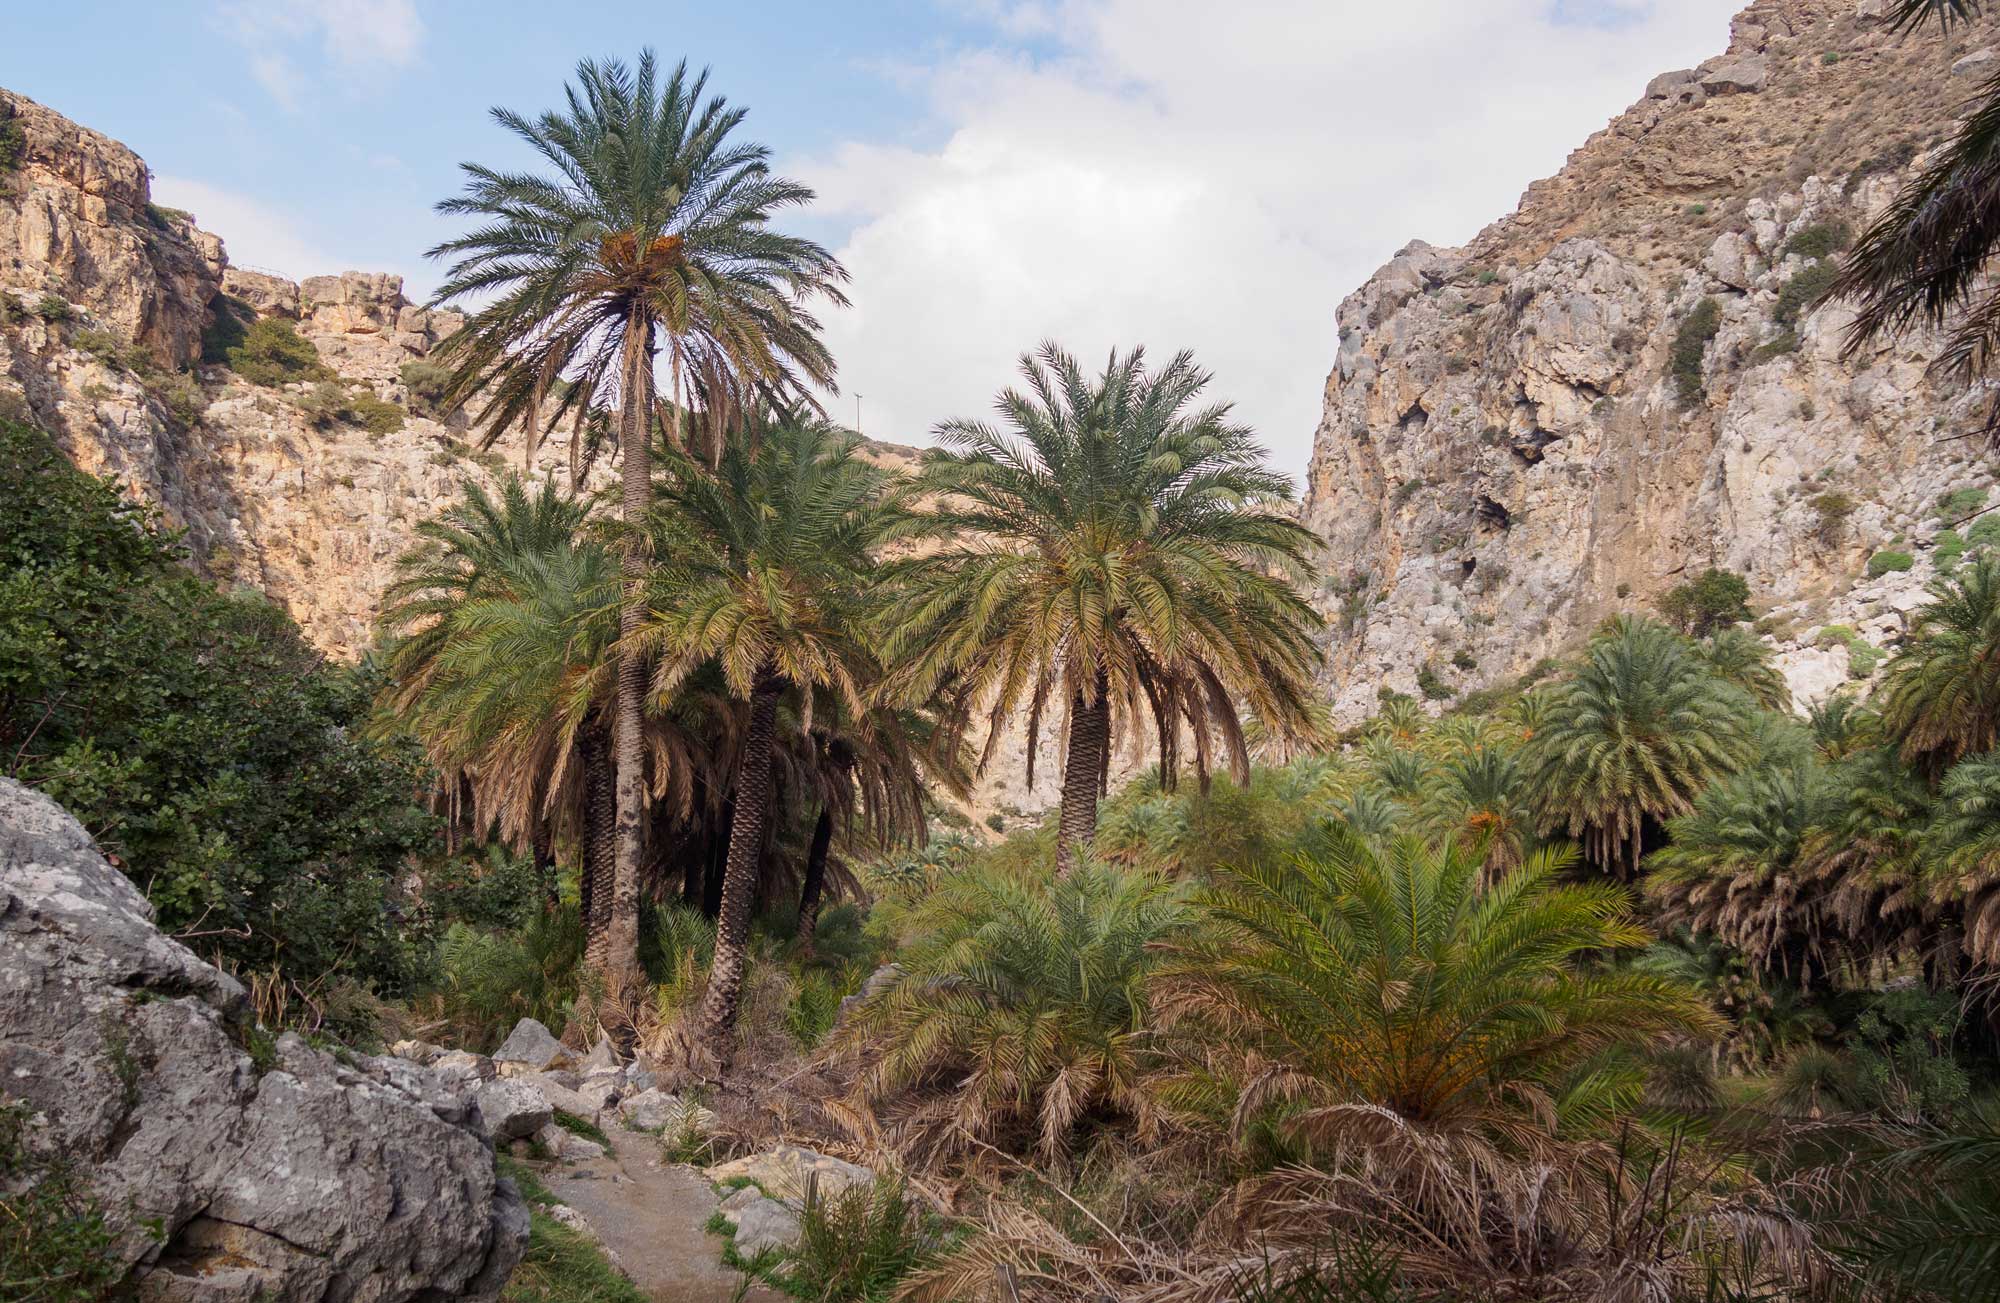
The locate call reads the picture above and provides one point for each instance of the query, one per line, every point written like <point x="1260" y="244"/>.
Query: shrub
<point x="273" y="354"/>
<point x="1946" y="549"/>
<point x="1464" y="660"/>
<point x="1959" y="503"/>
<point x="488" y="981"/>
<point x="198" y="735"/>
<point x="1883" y="562"/>
<point x="1833" y="509"/>
<point x="1820" y="239"/>
<point x="374" y="414"/>
<point x="1802" y="291"/>
<point x="1028" y="997"/>
<point x="428" y="384"/>
<point x="229" y="321"/>
<point x="858" y="1245"/>
<point x="1785" y="341"/>
<point x="53" y="308"/>
<point x="1690" y="343"/>
<point x="168" y="219"/>
<point x="13" y="144"/>
<point x="1433" y="687"/>
<point x="1714" y="600"/>
<point x="56" y="1244"/>
<point x="1984" y="531"/>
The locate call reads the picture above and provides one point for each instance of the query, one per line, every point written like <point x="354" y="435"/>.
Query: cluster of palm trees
<point x="667" y="691"/>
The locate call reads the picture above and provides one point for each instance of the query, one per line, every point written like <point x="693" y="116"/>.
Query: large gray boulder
<point x="296" y="1178"/>
<point x="531" y="1047"/>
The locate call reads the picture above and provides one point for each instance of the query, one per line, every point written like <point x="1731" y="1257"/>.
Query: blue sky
<point x="1105" y="172"/>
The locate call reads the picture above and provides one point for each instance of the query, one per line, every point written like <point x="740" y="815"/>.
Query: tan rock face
<point x="1504" y="458"/>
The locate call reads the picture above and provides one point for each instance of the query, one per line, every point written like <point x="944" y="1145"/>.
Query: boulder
<point x="511" y="1110"/>
<point x="600" y="1093"/>
<point x="419" y="1052"/>
<point x="603" y="1058"/>
<point x="1737" y="76"/>
<point x="649" y="1110"/>
<point x="532" y="1046"/>
<point x="560" y="1096"/>
<point x="1669" y="85"/>
<point x="785" y="1171"/>
<point x="762" y="1225"/>
<point x="1977" y="64"/>
<point x="292" y="1178"/>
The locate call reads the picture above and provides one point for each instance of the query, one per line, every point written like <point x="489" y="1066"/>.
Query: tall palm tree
<point x="654" y="230"/>
<point x="1115" y="550"/>
<point x="766" y="571"/>
<point x="1356" y="977"/>
<point x="1735" y="655"/>
<point x="1479" y="801"/>
<point x="1941" y="697"/>
<point x="1923" y="261"/>
<point x="1634" y="736"/>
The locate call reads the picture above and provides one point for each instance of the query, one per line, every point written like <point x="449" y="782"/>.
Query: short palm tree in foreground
<point x="1113" y="551"/>
<point x="652" y="230"/>
<point x="1389" y="979"/>
<point x="765" y="570"/>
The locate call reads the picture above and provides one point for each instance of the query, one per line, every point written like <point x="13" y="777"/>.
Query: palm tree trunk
<point x="614" y="953"/>
<point x="815" y="882"/>
<point x="595" y="884"/>
<point x="717" y="1019"/>
<point x="1083" y="773"/>
<point x="543" y="849"/>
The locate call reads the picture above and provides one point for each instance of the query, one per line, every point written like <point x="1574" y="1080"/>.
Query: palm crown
<point x="1114" y="546"/>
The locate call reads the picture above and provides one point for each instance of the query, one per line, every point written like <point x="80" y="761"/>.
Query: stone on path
<point x="784" y="1172"/>
<point x="511" y="1110"/>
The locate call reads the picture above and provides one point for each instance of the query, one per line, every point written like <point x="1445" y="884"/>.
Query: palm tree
<point x="1478" y="800"/>
<point x="1635" y="735"/>
<point x="1735" y="655"/>
<point x="765" y="571"/>
<point x="1028" y="996"/>
<point x="653" y="231"/>
<point x="1115" y="551"/>
<point x="1923" y="261"/>
<point x="1941" y="696"/>
<point x="1391" y="980"/>
<point x="511" y="575"/>
<point x="1963" y="846"/>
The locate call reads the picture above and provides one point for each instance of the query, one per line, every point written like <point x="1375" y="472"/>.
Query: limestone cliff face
<point x="1505" y="456"/>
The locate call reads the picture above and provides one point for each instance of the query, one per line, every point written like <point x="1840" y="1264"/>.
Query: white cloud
<point x="1182" y="174"/>
<point x="257" y="235"/>
<point x="290" y="42"/>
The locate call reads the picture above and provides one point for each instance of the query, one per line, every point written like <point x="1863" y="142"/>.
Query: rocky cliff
<point x="1510" y="451"/>
<point x="105" y="298"/>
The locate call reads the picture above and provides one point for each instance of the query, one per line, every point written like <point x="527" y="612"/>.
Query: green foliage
<point x="273" y="354"/>
<point x="1946" y="549"/>
<point x="13" y="143"/>
<point x="1635" y="735"/>
<point x="228" y="326"/>
<point x="55" y="1245"/>
<point x="1433" y="687"/>
<point x="1356" y="976"/>
<point x="1820" y="239"/>
<point x="329" y="403"/>
<point x="1983" y="531"/>
<point x="858" y="1245"/>
<point x="430" y="385"/>
<point x="198" y="736"/>
<point x="1690" y="343"/>
<point x="1714" y="600"/>
<point x="488" y="981"/>
<point x="54" y="309"/>
<point x="1029" y="996"/>
<point x="1833" y="509"/>
<point x="1804" y="289"/>
<point x="1885" y="562"/>
<point x="1960" y="503"/>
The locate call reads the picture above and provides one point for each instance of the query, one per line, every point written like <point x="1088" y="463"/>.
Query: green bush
<point x="1714" y="600"/>
<point x="858" y="1245"/>
<point x="1984" y="531"/>
<point x="489" y="980"/>
<point x="229" y="322"/>
<point x="1958" y="504"/>
<point x="428" y="383"/>
<point x="1820" y="239"/>
<point x="1802" y="291"/>
<point x="199" y="736"/>
<point x="1690" y="343"/>
<point x="1433" y="687"/>
<point x="1833" y="509"/>
<point x="13" y="144"/>
<point x="273" y="354"/>
<point x="1946" y="549"/>
<point x="1883" y="562"/>
<point x="54" y="1242"/>
<point x="1785" y="341"/>
<point x="53" y="308"/>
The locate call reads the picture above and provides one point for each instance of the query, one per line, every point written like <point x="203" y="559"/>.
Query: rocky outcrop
<point x="287" y="1174"/>
<point x="1506" y="454"/>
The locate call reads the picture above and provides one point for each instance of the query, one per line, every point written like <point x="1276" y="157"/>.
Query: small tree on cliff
<point x="1114" y="550"/>
<point x="654" y="231"/>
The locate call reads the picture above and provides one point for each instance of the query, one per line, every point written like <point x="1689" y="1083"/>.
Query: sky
<point x="1177" y="174"/>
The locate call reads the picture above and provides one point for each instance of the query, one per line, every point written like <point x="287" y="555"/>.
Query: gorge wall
<point x="1505" y="457"/>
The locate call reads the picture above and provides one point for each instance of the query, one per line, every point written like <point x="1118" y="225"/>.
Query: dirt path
<point x="651" y="1215"/>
